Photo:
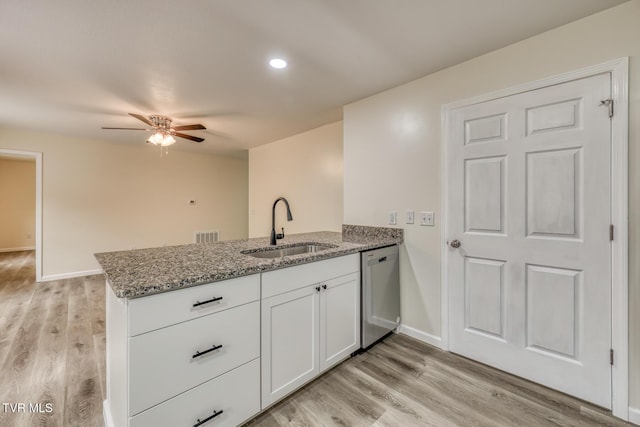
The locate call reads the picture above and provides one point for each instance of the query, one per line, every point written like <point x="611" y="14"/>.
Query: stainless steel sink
<point x="302" y="248"/>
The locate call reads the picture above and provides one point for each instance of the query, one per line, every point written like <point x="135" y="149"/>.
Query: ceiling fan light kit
<point x="161" y="138"/>
<point x="163" y="132"/>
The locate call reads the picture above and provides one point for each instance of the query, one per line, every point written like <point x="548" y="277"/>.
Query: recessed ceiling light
<point x="278" y="63"/>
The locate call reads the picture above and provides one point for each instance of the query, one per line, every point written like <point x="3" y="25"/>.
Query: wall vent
<point x="205" y="236"/>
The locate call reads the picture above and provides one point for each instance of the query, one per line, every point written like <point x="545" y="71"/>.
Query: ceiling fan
<point x="163" y="132"/>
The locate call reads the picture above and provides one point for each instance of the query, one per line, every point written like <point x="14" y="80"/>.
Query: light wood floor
<point x="403" y="382"/>
<point x="52" y="351"/>
<point x="52" y="346"/>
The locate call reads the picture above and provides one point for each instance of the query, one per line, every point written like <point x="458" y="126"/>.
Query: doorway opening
<point x="22" y="186"/>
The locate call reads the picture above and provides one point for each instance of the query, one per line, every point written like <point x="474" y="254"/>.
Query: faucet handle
<point x="280" y="236"/>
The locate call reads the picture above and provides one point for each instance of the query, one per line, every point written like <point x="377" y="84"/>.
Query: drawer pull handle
<point x="198" y="303"/>
<point x="214" y="348"/>
<point x="215" y="414"/>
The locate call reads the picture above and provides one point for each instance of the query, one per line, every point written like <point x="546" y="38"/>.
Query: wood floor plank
<point x="19" y="278"/>
<point x="20" y="362"/>
<point x="94" y="291"/>
<point x="264" y="420"/>
<point x="344" y="405"/>
<point x="398" y="407"/>
<point x="100" y="346"/>
<point x="83" y="400"/>
<point x="14" y="263"/>
<point x="46" y="381"/>
<point x="302" y="411"/>
<point x="12" y="312"/>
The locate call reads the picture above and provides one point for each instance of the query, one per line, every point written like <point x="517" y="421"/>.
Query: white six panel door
<point x="529" y="201"/>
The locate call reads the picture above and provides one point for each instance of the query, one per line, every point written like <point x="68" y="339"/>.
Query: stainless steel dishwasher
<point x="380" y="293"/>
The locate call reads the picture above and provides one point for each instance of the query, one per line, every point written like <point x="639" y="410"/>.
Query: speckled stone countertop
<point x="141" y="272"/>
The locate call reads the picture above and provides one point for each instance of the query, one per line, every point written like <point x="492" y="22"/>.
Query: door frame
<point x="38" y="158"/>
<point x="619" y="70"/>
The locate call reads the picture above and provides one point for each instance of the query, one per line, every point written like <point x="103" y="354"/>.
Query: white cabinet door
<point x="290" y="330"/>
<point x="339" y="319"/>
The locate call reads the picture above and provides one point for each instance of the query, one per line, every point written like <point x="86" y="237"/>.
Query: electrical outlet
<point x="427" y="218"/>
<point x="393" y="218"/>
<point x="409" y="217"/>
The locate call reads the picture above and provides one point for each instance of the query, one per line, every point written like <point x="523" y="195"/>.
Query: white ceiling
<point x="72" y="66"/>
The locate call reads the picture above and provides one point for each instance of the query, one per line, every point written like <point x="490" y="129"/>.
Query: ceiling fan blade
<point x="189" y="127"/>
<point x="142" y="118"/>
<point x="185" y="136"/>
<point x="103" y="127"/>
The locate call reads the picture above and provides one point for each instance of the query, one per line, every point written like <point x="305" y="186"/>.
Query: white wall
<point x="100" y="196"/>
<point x="306" y="169"/>
<point x="392" y="148"/>
<point x="18" y="201"/>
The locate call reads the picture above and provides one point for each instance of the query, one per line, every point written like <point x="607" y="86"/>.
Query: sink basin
<point x="301" y="248"/>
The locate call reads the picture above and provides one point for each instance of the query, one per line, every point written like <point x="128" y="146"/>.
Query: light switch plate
<point x="393" y="218"/>
<point x="409" y="217"/>
<point x="427" y="218"/>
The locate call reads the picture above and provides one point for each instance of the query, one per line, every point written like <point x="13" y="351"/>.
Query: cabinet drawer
<point x="236" y="394"/>
<point x="158" y="311"/>
<point x="162" y="363"/>
<point x="299" y="276"/>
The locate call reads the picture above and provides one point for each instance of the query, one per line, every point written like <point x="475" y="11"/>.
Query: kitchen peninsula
<point x="218" y="331"/>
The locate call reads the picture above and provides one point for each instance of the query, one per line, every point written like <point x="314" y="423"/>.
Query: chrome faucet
<point x="275" y="236"/>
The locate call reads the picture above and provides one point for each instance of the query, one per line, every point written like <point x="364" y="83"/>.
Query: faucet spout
<point x="274" y="236"/>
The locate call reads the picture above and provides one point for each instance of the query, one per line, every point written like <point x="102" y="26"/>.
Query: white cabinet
<point x="310" y="324"/>
<point x="290" y="339"/>
<point x="184" y="355"/>
<point x="217" y="349"/>
<point x="339" y="319"/>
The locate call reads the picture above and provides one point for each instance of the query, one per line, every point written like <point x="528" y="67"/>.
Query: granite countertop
<point x="141" y="272"/>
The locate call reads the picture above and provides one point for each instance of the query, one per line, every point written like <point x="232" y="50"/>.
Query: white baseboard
<point x="50" y="277"/>
<point x="106" y="414"/>
<point x="420" y="335"/>
<point x="24" y="248"/>
<point x="634" y="416"/>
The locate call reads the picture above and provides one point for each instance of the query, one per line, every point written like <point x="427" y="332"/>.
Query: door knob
<point x="455" y="244"/>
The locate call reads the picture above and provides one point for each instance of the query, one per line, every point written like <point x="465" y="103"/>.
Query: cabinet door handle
<point x="199" y="303"/>
<point x="324" y="286"/>
<point x="215" y="414"/>
<point x="317" y="288"/>
<point x="199" y="353"/>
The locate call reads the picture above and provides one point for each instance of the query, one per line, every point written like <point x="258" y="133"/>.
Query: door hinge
<point x="608" y="103"/>
<point x="611" y="356"/>
<point x="611" y="232"/>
